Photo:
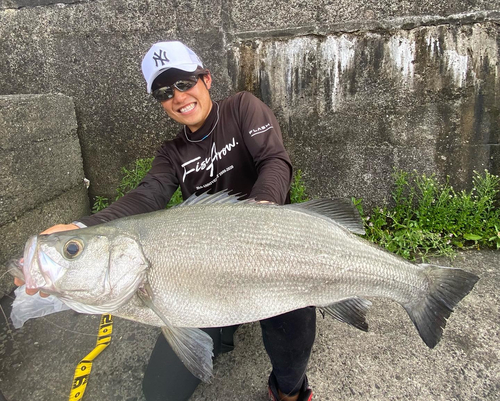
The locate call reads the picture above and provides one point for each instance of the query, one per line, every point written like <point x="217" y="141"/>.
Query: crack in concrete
<point x="56" y="139"/>
<point x="60" y="3"/>
<point x="401" y="23"/>
<point x="41" y="204"/>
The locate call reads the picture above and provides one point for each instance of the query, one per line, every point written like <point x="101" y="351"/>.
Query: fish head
<point x="100" y="267"/>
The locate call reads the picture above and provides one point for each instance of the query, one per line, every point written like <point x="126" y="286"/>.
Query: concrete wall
<point x="356" y="105"/>
<point x="358" y="88"/>
<point x="41" y="174"/>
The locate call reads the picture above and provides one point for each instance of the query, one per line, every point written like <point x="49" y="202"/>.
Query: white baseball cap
<point x="165" y="55"/>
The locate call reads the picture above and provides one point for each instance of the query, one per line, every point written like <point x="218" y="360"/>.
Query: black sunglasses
<point x="167" y="92"/>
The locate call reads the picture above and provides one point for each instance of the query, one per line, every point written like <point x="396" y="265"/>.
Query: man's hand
<point x="53" y="229"/>
<point x="60" y="227"/>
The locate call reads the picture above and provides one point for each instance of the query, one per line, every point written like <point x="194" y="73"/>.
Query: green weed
<point x="298" y="189"/>
<point x="130" y="180"/>
<point x="100" y="203"/>
<point x="431" y="218"/>
<point x="175" y="199"/>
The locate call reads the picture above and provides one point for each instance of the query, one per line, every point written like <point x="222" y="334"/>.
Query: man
<point x="235" y="145"/>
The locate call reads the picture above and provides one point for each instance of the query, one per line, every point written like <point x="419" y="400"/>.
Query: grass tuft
<point x="298" y="190"/>
<point x="130" y="180"/>
<point x="429" y="218"/>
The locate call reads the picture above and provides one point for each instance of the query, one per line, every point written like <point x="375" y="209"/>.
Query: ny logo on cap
<point x="161" y="56"/>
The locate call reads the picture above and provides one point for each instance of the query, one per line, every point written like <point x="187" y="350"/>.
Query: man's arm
<point x="262" y="136"/>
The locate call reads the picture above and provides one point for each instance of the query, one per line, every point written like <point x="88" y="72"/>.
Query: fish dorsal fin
<point x="352" y="311"/>
<point x="193" y="346"/>
<point x="341" y="210"/>
<point x="219" y="197"/>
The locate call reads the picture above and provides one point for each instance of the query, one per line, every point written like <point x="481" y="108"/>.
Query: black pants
<point x="288" y="340"/>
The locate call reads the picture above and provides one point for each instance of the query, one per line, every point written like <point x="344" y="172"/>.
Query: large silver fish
<point x="214" y="261"/>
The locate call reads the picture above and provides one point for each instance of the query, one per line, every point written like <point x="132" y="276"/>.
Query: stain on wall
<point x="354" y="106"/>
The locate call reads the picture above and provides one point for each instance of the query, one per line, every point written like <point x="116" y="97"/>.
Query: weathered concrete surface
<point x="41" y="172"/>
<point x="375" y="85"/>
<point x="92" y="51"/>
<point x="390" y="362"/>
<point x="259" y="17"/>
<point x="354" y="106"/>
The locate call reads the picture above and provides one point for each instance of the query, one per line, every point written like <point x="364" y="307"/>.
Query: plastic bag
<point x="30" y="306"/>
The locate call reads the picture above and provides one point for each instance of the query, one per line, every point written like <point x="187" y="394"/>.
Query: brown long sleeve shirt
<point x="239" y="148"/>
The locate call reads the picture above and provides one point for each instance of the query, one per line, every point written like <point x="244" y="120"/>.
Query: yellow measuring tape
<point x="83" y="369"/>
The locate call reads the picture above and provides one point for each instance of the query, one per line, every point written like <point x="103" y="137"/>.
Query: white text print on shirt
<point x="260" y="130"/>
<point x="208" y="163"/>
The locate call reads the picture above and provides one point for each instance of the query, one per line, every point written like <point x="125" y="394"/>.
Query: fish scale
<point x="199" y="271"/>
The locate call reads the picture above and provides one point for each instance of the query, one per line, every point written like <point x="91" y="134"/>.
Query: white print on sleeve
<point x="260" y="130"/>
<point x="208" y="163"/>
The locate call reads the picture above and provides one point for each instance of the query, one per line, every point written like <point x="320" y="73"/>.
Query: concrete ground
<point x="390" y="362"/>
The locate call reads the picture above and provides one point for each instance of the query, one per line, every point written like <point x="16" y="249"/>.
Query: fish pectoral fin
<point x="352" y="311"/>
<point x="193" y="346"/>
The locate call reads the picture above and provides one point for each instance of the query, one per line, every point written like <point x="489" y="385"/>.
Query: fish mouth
<point x="39" y="270"/>
<point x="15" y="268"/>
<point x="30" y="265"/>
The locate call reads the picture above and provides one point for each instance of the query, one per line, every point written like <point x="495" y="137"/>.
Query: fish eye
<point x="72" y="249"/>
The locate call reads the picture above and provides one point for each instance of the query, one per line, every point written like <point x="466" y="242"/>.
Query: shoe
<point x="305" y="393"/>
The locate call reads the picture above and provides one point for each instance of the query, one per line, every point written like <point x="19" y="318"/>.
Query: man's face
<point x="191" y="107"/>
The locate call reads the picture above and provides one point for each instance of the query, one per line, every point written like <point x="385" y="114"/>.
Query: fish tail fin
<point x="447" y="287"/>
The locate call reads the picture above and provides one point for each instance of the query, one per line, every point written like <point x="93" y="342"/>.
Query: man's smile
<point x="187" y="108"/>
